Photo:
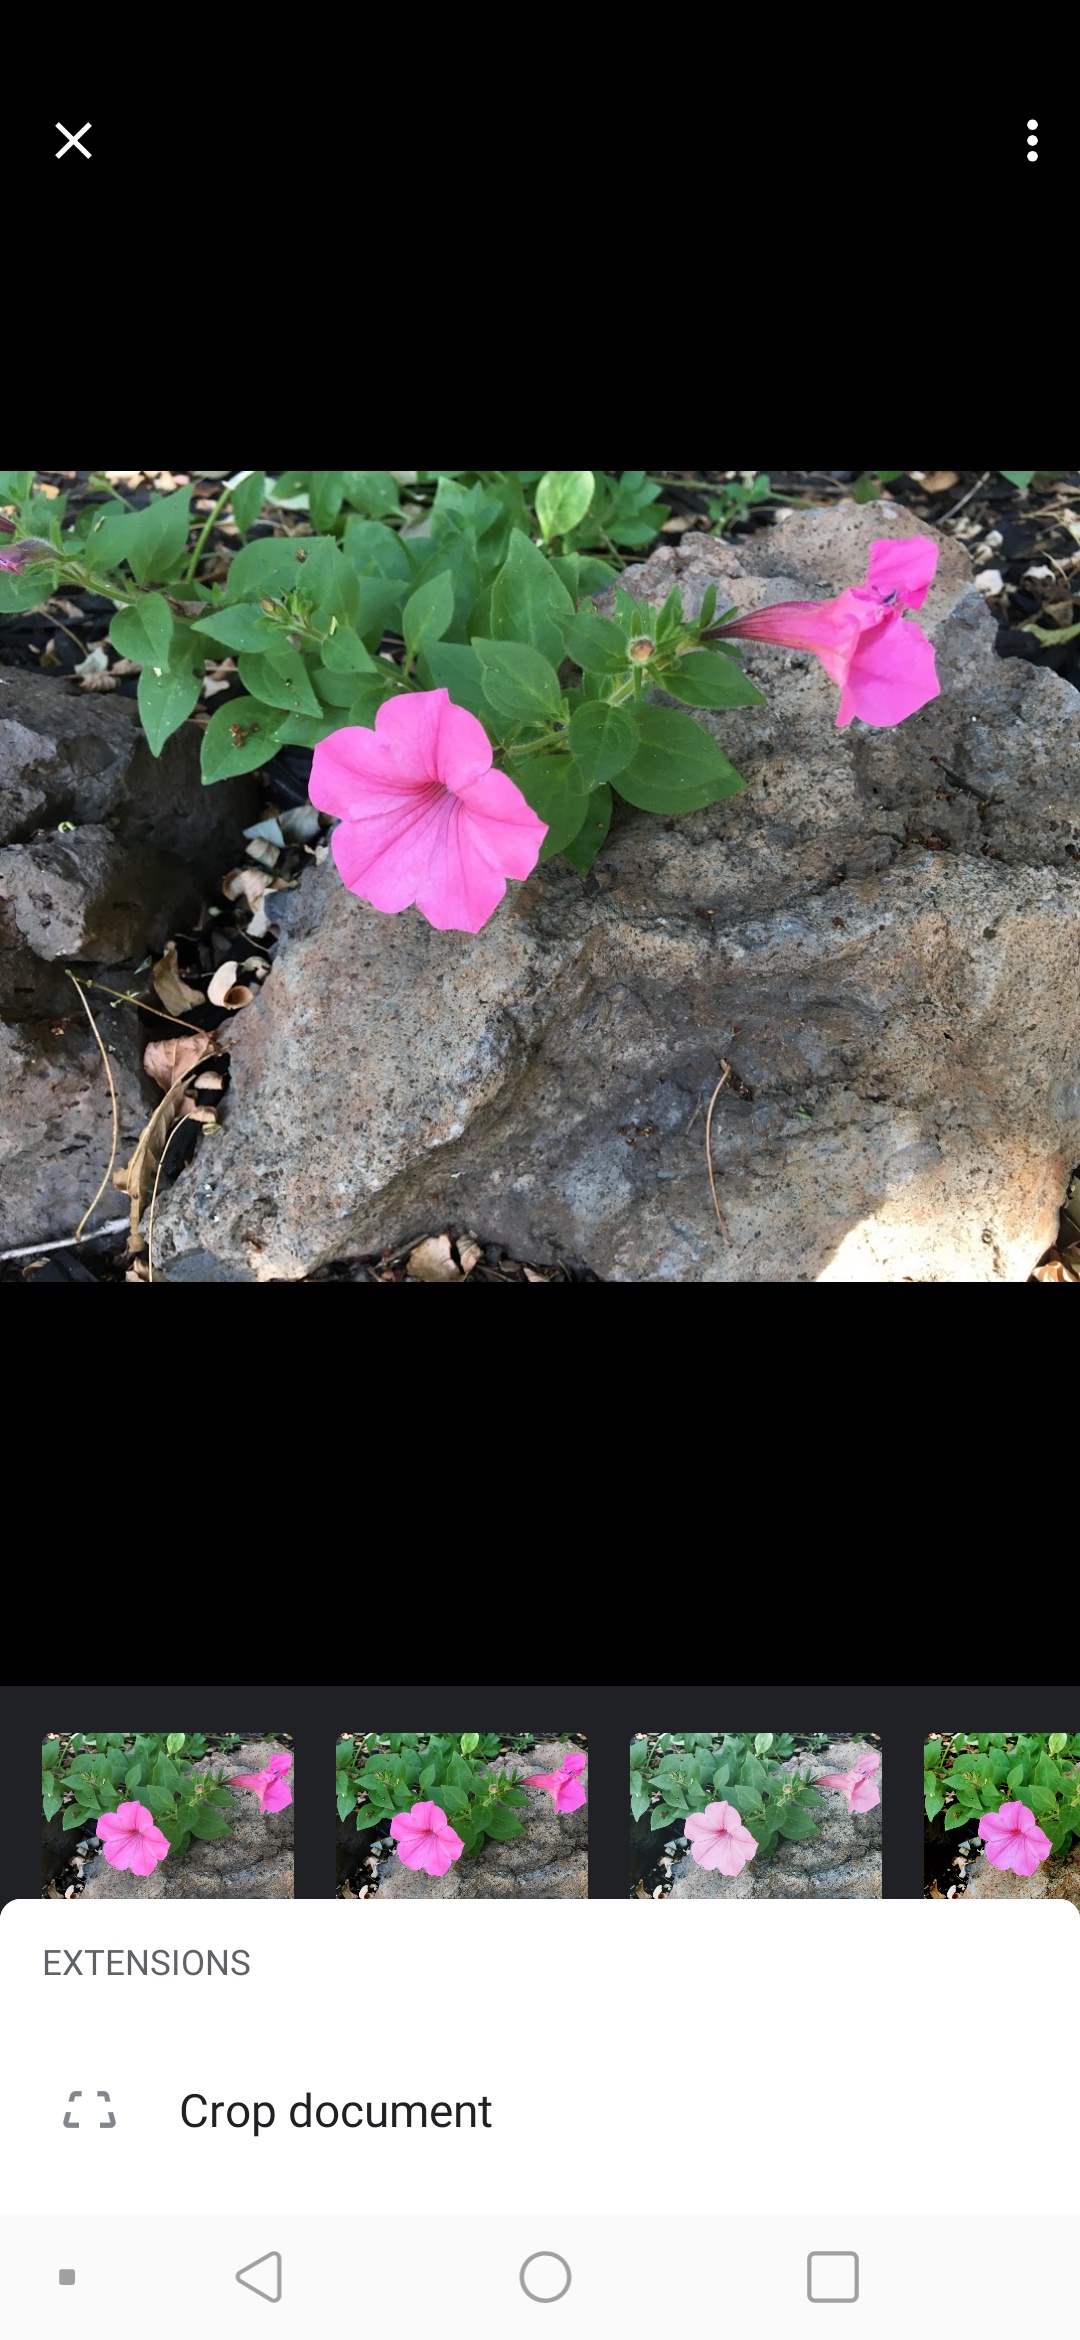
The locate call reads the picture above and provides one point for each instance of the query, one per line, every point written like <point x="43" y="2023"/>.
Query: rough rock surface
<point x="841" y="1863"/>
<point x="254" y="1861"/>
<point x="147" y="841"/>
<point x="549" y="1862"/>
<point x="1052" y="1881"/>
<point x="881" y="936"/>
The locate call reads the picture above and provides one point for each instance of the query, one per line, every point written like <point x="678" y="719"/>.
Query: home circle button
<point x="545" y="2276"/>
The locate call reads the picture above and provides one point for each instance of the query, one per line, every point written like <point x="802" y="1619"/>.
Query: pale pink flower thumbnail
<point x="882" y="662"/>
<point x="131" y="1839"/>
<point x="858" y="1787"/>
<point x="425" y="1839"/>
<point x="718" y="1839"/>
<point x="422" y="817"/>
<point x="1014" y="1839"/>
<point x="563" y="1786"/>
<point x="270" y="1786"/>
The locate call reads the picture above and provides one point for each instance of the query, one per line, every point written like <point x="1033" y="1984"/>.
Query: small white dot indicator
<point x="1033" y="125"/>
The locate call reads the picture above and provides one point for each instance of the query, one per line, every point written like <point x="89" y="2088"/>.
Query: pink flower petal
<point x="864" y="1796"/>
<point x="280" y="1762"/>
<point x="868" y="1762"/>
<point x="428" y="738"/>
<point x="902" y="565"/>
<point x="891" y="675"/>
<point x="575" y="1761"/>
<point x="277" y="1796"/>
<point x="570" y="1796"/>
<point x="543" y="1779"/>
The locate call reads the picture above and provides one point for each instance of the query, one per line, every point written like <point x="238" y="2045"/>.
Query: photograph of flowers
<point x="469" y="1815"/>
<point x="1002" y="1815"/>
<point x="165" y="1815"/>
<point x="739" y="1815"/>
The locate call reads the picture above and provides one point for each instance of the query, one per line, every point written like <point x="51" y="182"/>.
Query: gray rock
<point x="549" y="1862"/>
<point x="841" y="1863"/>
<point x="148" y="840"/>
<point x="71" y="755"/>
<point x="880" y="936"/>
<point x="1054" y="1880"/>
<point x="254" y="1861"/>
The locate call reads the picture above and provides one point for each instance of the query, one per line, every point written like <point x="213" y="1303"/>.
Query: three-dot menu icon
<point x="1033" y="142"/>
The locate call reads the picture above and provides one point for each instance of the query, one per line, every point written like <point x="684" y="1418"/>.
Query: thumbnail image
<point x="166" y="1815"/>
<point x="744" y="1815"/>
<point x="1002" y="1816"/>
<point x="462" y="1815"/>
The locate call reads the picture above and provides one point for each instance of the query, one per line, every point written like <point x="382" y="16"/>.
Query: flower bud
<point x="642" y="649"/>
<point x="28" y="549"/>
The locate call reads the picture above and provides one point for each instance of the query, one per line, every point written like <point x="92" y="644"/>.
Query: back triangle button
<point x="262" y="2275"/>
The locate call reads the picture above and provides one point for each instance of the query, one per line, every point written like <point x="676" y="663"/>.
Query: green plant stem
<point x="196" y="557"/>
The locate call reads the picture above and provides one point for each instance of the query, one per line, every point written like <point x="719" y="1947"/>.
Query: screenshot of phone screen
<point x="521" y="2010"/>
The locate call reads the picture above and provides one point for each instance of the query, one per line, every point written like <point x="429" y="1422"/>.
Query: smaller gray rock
<point x="1053" y="1881"/>
<point x="254" y="1861"/>
<point x="841" y="1863"/>
<point x="549" y="1862"/>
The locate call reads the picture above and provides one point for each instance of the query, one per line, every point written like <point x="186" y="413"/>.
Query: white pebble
<point x="993" y="540"/>
<point x="989" y="581"/>
<point x="377" y="1846"/>
<point x="658" y="1892"/>
<point x="669" y="1848"/>
<point x="1040" y="575"/>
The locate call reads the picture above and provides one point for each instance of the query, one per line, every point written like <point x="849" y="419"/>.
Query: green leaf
<point x="50" y="1754"/>
<point x="1058" y="1742"/>
<point x="166" y="699"/>
<point x="562" y="499"/>
<point x="705" y="678"/>
<point x="51" y="1795"/>
<point x="344" y="653"/>
<point x="269" y="564"/>
<point x="470" y="1741"/>
<point x="373" y="492"/>
<point x="238" y="738"/>
<point x="707" y="612"/>
<point x="280" y="679"/>
<point x="677" y="766"/>
<point x="75" y="1817"/>
<point x="346" y="1798"/>
<point x="1020" y="479"/>
<point x="959" y="1816"/>
<point x="244" y="626"/>
<point x="556" y="791"/>
<point x="158" y="535"/>
<point x="602" y="740"/>
<point x="248" y="498"/>
<point x="204" y="1822"/>
<point x="639" y="1754"/>
<point x="376" y="550"/>
<point x="144" y="630"/>
<point x="933" y="1794"/>
<point x="428" y="611"/>
<point x="174" y="1742"/>
<point x="529" y="603"/>
<point x="455" y="667"/>
<point x="640" y="1797"/>
<point x="594" y="643"/>
<point x="793" y="1822"/>
<point x="932" y="1753"/>
<point x="517" y="681"/>
<point x="159" y="1800"/>
<point x="501" y="1824"/>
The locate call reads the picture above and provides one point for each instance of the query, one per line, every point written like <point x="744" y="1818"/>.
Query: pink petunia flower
<point x="425" y="1839"/>
<point x="858" y="1787"/>
<point x="1014" y="1839"/>
<point x="270" y="1786"/>
<point x="718" y="1839"/>
<point x="883" y="664"/>
<point x="563" y="1786"/>
<point x="422" y="816"/>
<point x="130" y="1839"/>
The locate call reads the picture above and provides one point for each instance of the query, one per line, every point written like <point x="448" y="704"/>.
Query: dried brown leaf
<point x="136" y="1178"/>
<point x="167" y="1061"/>
<point x="251" y="883"/>
<point x="470" y="1255"/>
<point x="172" y="991"/>
<point x="936" y="482"/>
<point x="1053" y="1271"/>
<point x="220" y="983"/>
<point x="432" y="1262"/>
